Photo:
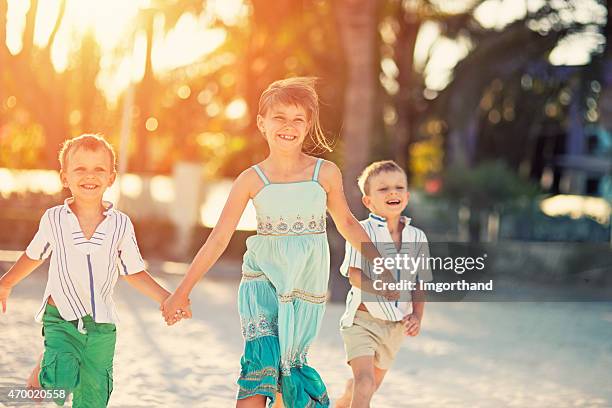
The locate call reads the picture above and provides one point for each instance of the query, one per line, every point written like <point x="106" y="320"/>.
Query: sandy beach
<point x="467" y="355"/>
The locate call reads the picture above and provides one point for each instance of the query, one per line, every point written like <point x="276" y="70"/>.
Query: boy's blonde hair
<point x="88" y="142"/>
<point x="299" y="91"/>
<point x="383" y="166"/>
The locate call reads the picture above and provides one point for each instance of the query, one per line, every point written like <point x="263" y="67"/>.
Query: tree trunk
<point x="357" y="21"/>
<point x="144" y="92"/>
<point x="408" y="88"/>
<point x="3" y="19"/>
<point x="3" y="55"/>
<point x="262" y="61"/>
<point x="31" y="78"/>
<point x="89" y="61"/>
<point x="605" y="75"/>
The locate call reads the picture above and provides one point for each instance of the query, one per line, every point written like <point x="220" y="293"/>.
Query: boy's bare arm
<point x="19" y="271"/>
<point x="412" y="322"/>
<point x="418" y="303"/>
<point x="145" y="284"/>
<point x="359" y="280"/>
<point x="345" y="221"/>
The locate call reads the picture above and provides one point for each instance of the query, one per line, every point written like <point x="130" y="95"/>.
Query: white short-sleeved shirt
<point x="83" y="273"/>
<point x="414" y="243"/>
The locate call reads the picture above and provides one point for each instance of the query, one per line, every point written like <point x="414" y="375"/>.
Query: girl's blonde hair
<point x="298" y="91"/>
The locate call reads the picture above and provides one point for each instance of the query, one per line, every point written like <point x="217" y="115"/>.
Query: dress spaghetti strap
<point x="261" y="174"/>
<point x="315" y="175"/>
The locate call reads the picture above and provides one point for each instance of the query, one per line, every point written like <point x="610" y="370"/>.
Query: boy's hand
<point x="5" y="292"/>
<point x="412" y="324"/>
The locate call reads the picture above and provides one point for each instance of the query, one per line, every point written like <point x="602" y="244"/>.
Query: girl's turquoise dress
<point x="282" y="294"/>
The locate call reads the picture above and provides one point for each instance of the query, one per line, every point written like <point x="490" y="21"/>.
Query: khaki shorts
<point x="369" y="336"/>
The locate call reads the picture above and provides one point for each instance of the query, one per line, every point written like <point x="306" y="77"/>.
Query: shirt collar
<point x="382" y="221"/>
<point x="108" y="206"/>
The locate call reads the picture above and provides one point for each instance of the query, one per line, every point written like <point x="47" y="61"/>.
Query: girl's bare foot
<point x="345" y="400"/>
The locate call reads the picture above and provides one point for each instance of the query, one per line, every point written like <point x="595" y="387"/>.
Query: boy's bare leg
<point x="345" y="400"/>
<point x="379" y="375"/>
<point x="33" y="382"/>
<point x="364" y="383"/>
<point x="256" y="401"/>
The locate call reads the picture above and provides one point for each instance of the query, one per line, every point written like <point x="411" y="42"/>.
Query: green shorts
<point x="76" y="362"/>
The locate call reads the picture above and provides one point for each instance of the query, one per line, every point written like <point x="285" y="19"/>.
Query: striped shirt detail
<point x="414" y="241"/>
<point x="83" y="272"/>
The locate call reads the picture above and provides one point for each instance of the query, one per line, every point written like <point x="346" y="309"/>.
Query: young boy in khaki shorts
<point x="373" y="331"/>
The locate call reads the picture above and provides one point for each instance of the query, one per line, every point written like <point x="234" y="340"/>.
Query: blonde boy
<point x="373" y="331"/>
<point x="90" y="244"/>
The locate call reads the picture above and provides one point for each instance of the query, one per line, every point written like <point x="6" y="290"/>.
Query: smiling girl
<point x="285" y="271"/>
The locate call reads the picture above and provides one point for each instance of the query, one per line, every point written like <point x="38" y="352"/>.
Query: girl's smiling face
<point x="284" y="126"/>
<point x="88" y="173"/>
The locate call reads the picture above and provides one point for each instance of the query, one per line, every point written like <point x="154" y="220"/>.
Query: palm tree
<point x="358" y="22"/>
<point x="358" y="26"/>
<point x="409" y="101"/>
<point x="501" y="56"/>
<point x="31" y="78"/>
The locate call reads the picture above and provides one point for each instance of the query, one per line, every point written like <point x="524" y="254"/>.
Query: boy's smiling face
<point x="88" y="173"/>
<point x="387" y="194"/>
<point x="284" y="126"/>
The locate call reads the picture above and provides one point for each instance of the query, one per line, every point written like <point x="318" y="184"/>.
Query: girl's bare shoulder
<point x="329" y="175"/>
<point x="249" y="182"/>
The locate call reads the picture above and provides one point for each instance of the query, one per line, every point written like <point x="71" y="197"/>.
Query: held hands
<point x="175" y="308"/>
<point x="412" y="325"/>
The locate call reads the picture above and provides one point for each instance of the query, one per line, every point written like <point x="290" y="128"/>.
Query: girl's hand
<point x="175" y="308"/>
<point x="5" y="292"/>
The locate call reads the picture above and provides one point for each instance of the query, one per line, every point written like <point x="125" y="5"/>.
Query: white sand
<point x="467" y="355"/>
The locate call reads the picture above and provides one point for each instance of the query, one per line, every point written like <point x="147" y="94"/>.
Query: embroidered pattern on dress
<point x="259" y="374"/>
<point x="265" y="388"/>
<point x="248" y="276"/>
<point x="302" y="295"/>
<point x="259" y="327"/>
<point x="323" y="399"/>
<point x="267" y="226"/>
<point x="297" y="359"/>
